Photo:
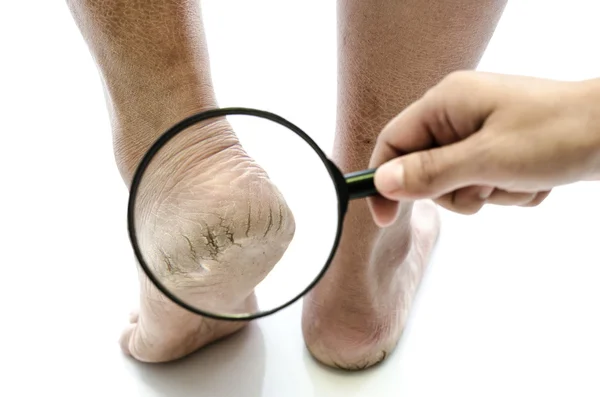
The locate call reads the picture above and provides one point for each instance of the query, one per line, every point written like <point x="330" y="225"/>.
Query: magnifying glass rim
<point x="334" y="173"/>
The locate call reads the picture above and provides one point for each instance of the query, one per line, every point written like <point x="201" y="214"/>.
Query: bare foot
<point x="210" y="221"/>
<point x="211" y="225"/>
<point x="389" y="53"/>
<point x="354" y="317"/>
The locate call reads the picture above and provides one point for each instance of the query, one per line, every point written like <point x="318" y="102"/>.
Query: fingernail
<point x="391" y="177"/>
<point x="485" y="192"/>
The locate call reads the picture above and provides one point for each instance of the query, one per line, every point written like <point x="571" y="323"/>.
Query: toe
<point x="133" y="316"/>
<point x="134" y="343"/>
<point x="126" y="338"/>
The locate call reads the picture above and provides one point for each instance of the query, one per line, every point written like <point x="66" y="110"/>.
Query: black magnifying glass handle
<point x="361" y="184"/>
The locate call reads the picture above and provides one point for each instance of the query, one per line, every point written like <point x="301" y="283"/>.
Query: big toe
<point x="126" y="337"/>
<point x="134" y="316"/>
<point x="136" y="343"/>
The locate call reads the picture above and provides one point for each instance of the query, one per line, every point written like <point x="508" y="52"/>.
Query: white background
<point x="509" y="305"/>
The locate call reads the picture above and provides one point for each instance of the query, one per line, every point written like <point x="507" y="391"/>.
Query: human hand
<point x="479" y="138"/>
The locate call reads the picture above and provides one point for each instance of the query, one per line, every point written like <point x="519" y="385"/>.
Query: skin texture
<point x="520" y="136"/>
<point x="389" y="53"/>
<point x="153" y="61"/>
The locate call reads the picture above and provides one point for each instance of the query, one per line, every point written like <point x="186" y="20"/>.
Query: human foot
<point x="354" y="317"/>
<point x="211" y="225"/>
<point x="154" y="65"/>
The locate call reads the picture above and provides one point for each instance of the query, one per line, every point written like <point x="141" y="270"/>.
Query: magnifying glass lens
<point x="234" y="216"/>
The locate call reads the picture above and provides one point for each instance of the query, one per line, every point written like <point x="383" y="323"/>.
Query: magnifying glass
<point x="187" y="242"/>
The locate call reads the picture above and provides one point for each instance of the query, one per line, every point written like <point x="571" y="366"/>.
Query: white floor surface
<point x="509" y="306"/>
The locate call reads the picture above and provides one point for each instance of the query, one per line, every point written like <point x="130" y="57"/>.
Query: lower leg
<point x="153" y="61"/>
<point x="389" y="53"/>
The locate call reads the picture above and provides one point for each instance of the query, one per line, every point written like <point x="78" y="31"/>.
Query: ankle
<point x="141" y="111"/>
<point x="384" y="248"/>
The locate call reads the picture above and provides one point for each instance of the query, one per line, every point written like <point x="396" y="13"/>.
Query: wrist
<point x="590" y="103"/>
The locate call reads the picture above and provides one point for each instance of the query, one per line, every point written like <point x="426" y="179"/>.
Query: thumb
<point x="427" y="174"/>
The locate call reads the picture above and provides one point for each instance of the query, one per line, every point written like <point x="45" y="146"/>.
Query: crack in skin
<point x="360" y="367"/>
<point x="167" y="261"/>
<point x="280" y="217"/>
<point x="383" y="356"/>
<point x="249" y="220"/>
<point x="212" y="245"/>
<point x="210" y="235"/>
<point x="171" y="269"/>
<point x="228" y="232"/>
<point x="270" y="224"/>
<point x="191" y="247"/>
